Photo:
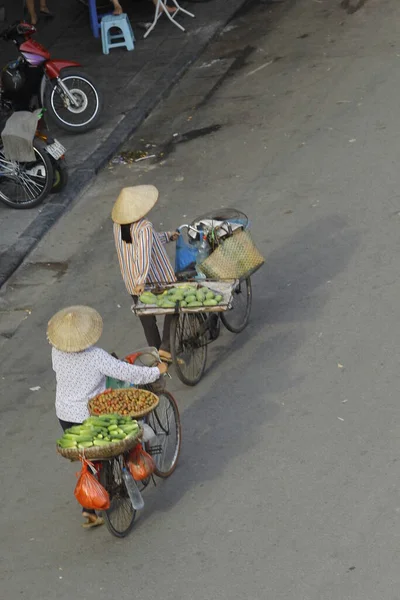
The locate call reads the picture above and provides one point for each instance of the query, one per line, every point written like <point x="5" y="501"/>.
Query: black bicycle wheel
<point x="166" y="424"/>
<point x="120" y="517"/>
<point x="26" y="184"/>
<point x="236" y="318"/>
<point x="189" y="346"/>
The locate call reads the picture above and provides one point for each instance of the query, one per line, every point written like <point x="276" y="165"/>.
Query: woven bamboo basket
<point x="235" y="258"/>
<point x="122" y="392"/>
<point x="101" y="452"/>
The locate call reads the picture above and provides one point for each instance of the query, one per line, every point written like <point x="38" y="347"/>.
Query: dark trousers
<point x="151" y="331"/>
<point x="66" y="425"/>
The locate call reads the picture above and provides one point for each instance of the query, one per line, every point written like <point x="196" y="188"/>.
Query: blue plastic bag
<point x="185" y="255"/>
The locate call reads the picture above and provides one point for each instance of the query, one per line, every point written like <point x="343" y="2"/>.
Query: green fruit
<point x="194" y="304"/>
<point x="210" y="302"/>
<point x="84" y="438"/>
<point x="67" y="443"/>
<point x="167" y="304"/>
<point x="190" y="298"/>
<point x="183" y="303"/>
<point x="200" y="295"/>
<point x="83" y="445"/>
<point x="70" y="436"/>
<point x="210" y="295"/>
<point x="148" y="298"/>
<point x="129" y="428"/>
<point x="218" y="298"/>
<point x="76" y="429"/>
<point x="100" y="443"/>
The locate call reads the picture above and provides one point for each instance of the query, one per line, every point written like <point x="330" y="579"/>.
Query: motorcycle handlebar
<point x="19" y="28"/>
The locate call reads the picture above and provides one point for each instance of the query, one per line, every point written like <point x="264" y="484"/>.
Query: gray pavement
<point x="287" y="486"/>
<point x="132" y="83"/>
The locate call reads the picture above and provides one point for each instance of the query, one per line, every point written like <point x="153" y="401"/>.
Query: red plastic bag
<point x="89" y="492"/>
<point x="140" y="463"/>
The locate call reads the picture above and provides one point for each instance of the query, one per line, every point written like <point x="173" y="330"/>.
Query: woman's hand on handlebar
<point x="162" y="367"/>
<point x="173" y="235"/>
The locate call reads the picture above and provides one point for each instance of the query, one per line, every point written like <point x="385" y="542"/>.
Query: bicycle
<point x="192" y="330"/>
<point x="164" y="447"/>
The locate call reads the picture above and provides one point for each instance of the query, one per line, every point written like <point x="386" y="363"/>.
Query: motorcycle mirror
<point x="2" y="14"/>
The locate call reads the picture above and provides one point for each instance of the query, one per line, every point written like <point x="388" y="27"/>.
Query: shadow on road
<point x="257" y="363"/>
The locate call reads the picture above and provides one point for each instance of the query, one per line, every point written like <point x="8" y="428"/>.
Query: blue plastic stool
<point x="95" y="18"/>
<point x="124" y="38"/>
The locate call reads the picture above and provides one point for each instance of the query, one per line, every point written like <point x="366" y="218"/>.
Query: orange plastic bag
<point x="141" y="464"/>
<point x="89" y="492"/>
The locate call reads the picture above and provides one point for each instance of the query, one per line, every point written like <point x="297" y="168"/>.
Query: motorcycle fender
<point x="53" y="67"/>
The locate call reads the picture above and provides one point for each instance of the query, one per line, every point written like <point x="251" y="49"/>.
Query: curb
<point x="14" y="256"/>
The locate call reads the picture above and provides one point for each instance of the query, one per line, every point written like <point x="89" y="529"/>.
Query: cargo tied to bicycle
<point x="210" y="296"/>
<point x="112" y="427"/>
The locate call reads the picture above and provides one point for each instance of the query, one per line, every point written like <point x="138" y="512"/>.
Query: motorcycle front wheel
<point x="26" y="184"/>
<point x="82" y="114"/>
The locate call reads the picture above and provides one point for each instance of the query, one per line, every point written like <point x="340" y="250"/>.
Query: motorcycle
<point x="26" y="184"/>
<point x="69" y="96"/>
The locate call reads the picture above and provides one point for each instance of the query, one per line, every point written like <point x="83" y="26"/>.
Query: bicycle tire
<point x="38" y="185"/>
<point x="188" y="347"/>
<point x="120" y="503"/>
<point x="165" y="422"/>
<point x="236" y="321"/>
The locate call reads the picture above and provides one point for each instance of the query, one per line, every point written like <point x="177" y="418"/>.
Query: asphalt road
<point x="287" y="486"/>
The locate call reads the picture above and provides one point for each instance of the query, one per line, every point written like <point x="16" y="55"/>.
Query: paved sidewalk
<point x="133" y="83"/>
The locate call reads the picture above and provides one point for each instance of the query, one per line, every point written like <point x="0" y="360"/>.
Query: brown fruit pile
<point x="127" y="402"/>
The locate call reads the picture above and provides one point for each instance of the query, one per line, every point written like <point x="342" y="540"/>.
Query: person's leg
<point x="88" y="513"/>
<point x="149" y="324"/>
<point x="30" y="5"/>
<point x="44" y="10"/>
<point x="117" y="7"/>
<point x="165" y="342"/>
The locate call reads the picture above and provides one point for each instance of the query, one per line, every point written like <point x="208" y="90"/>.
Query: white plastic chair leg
<point x="161" y="8"/>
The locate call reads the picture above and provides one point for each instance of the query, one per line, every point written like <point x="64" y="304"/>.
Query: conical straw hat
<point x="74" y="328"/>
<point x="133" y="203"/>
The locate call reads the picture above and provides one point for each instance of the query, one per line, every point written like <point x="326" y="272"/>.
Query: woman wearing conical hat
<point x="142" y="256"/>
<point x="81" y="369"/>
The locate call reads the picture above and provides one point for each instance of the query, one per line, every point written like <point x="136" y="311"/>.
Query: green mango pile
<point x="187" y="296"/>
<point x="99" y="431"/>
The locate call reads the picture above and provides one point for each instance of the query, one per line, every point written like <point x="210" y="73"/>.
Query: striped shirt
<point x="145" y="260"/>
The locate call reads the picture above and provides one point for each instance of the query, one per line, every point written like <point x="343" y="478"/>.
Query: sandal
<point x="92" y="520"/>
<point x="165" y="356"/>
<point x="47" y="14"/>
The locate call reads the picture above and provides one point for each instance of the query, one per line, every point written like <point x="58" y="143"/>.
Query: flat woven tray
<point x="122" y="392"/>
<point x="101" y="452"/>
<point x="225" y="288"/>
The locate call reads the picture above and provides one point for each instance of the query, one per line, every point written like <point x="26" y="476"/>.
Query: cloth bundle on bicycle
<point x="18" y="134"/>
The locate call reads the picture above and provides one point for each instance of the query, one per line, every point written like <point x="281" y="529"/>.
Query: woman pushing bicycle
<point x="81" y="369"/>
<point x="142" y="256"/>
